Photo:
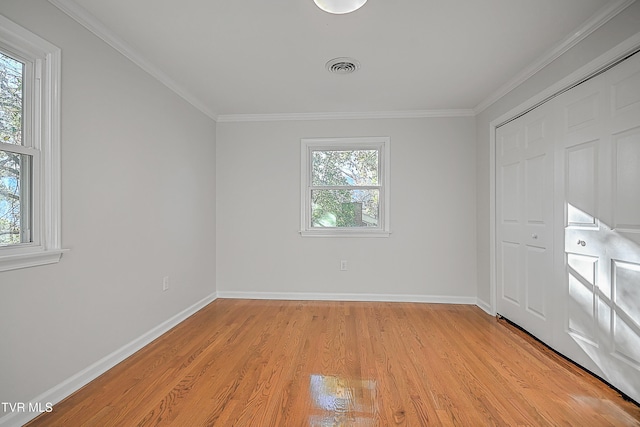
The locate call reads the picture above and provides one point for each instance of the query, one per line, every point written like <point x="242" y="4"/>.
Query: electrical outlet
<point x="343" y="265"/>
<point x="165" y="283"/>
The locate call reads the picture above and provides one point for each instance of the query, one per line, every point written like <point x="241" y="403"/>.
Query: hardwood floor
<point x="318" y="364"/>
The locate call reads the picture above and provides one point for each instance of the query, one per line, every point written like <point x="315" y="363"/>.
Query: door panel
<point x="511" y="192"/>
<point x="535" y="134"/>
<point x="581" y="172"/>
<point x="583" y="144"/>
<point x="623" y="238"/>
<point x="626" y="182"/>
<point x="583" y="298"/>
<point x="525" y="220"/>
<point x="511" y="272"/>
<point x="626" y="277"/>
<point x="582" y="112"/>
<point x="625" y="94"/>
<point x="601" y="148"/>
<point x="537" y="260"/>
<point x="535" y="174"/>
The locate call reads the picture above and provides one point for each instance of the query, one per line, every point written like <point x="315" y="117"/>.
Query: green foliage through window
<point x="345" y="189"/>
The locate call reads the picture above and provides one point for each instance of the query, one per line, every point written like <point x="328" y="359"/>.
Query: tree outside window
<point x="345" y="186"/>
<point x="11" y="162"/>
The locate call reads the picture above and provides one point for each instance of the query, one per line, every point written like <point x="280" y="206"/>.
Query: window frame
<point x="41" y="141"/>
<point x="308" y="145"/>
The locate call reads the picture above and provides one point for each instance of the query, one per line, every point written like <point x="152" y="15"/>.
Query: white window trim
<point x="309" y="144"/>
<point x="46" y="246"/>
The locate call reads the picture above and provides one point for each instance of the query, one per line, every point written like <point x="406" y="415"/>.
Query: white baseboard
<point x="485" y="306"/>
<point x="306" y="296"/>
<point x="79" y="380"/>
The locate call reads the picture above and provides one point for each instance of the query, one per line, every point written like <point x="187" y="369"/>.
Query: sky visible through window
<point x="11" y="116"/>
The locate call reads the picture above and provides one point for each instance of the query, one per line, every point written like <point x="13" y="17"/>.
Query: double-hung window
<point x="29" y="149"/>
<point x="345" y="187"/>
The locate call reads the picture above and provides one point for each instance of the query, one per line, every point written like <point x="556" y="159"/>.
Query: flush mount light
<point x="339" y="7"/>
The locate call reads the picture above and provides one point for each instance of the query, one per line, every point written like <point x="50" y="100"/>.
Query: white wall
<point x="430" y="255"/>
<point x="618" y="29"/>
<point x="138" y="203"/>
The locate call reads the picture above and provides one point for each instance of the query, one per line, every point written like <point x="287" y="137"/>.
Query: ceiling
<point x="267" y="57"/>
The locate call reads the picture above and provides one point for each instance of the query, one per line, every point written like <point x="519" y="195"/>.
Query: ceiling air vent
<point x="343" y="65"/>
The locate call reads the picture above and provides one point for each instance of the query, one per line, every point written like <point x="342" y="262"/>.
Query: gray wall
<point x="431" y="251"/>
<point x="138" y="203"/>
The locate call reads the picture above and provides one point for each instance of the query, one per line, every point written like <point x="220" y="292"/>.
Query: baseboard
<point x="79" y="380"/>
<point x="306" y="296"/>
<point x="485" y="306"/>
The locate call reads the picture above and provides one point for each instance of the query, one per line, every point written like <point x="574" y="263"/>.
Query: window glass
<point x="15" y="167"/>
<point x="345" y="208"/>
<point x="14" y="195"/>
<point x="354" y="167"/>
<point x="11" y="99"/>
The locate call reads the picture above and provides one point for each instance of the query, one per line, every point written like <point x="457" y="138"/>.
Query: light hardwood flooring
<point x="320" y="364"/>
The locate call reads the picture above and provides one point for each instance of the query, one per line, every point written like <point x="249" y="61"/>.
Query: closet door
<point x="524" y="197"/>
<point x="600" y="185"/>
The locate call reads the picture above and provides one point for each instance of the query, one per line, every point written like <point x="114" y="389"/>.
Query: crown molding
<point x="91" y="23"/>
<point x="84" y="18"/>
<point x="591" y="25"/>
<point x="406" y="114"/>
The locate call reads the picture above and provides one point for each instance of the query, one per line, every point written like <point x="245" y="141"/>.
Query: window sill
<point x="30" y="259"/>
<point x="345" y="233"/>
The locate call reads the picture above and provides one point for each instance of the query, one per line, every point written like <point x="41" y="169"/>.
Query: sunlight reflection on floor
<point x="343" y="402"/>
<point x="606" y="406"/>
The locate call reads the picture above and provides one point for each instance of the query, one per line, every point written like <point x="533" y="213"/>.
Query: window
<point x="345" y="187"/>
<point x="14" y="165"/>
<point x="29" y="149"/>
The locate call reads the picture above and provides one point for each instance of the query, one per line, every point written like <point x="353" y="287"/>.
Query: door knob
<point x="582" y="243"/>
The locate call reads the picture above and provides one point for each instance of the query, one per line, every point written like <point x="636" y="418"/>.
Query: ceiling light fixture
<point x="339" y="7"/>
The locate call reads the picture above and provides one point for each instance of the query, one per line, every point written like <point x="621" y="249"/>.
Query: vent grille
<point x="342" y="65"/>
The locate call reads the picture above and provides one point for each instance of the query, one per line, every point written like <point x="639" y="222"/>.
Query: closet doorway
<point x="567" y="253"/>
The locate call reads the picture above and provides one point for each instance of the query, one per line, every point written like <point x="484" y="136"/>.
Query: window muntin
<point x="345" y="185"/>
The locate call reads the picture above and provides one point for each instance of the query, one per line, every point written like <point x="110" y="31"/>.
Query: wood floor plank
<point x="305" y="363"/>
